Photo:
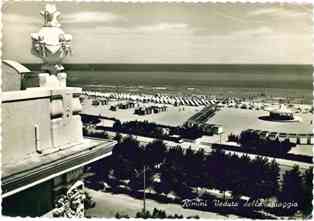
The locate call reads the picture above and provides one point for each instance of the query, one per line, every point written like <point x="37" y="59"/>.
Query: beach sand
<point x="174" y="116"/>
<point x="235" y="120"/>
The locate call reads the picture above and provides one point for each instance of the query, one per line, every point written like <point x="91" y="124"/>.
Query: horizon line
<point x="98" y="63"/>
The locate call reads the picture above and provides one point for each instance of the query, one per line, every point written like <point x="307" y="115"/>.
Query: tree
<point x="117" y="125"/>
<point x="160" y="214"/>
<point x="136" y="181"/>
<point x="239" y="175"/>
<point x="118" y="137"/>
<point x="307" y="205"/>
<point x="155" y="152"/>
<point x="129" y="148"/>
<point x="196" y="168"/>
<point x="123" y="168"/>
<point x="292" y="190"/>
<point x="273" y="177"/>
<point x="121" y="216"/>
<point x="105" y="135"/>
<point x="172" y="174"/>
<point x="258" y="183"/>
<point x="233" y="138"/>
<point x="218" y="170"/>
<point x="126" y="157"/>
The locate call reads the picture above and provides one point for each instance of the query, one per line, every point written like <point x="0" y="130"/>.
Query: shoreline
<point x="218" y="92"/>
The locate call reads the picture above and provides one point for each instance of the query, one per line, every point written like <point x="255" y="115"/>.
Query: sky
<point x="168" y="32"/>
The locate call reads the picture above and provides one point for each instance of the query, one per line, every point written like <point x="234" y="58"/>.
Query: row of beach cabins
<point x="123" y="106"/>
<point x="139" y="109"/>
<point x="158" y="99"/>
<point x="201" y="117"/>
<point x="201" y="100"/>
<point x="303" y="139"/>
<point x="143" y="110"/>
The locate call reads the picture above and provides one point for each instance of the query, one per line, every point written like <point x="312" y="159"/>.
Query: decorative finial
<point x="51" y="44"/>
<point x="50" y="15"/>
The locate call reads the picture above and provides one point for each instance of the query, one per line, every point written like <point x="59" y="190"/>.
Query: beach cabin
<point x="303" y="139"/>
<point x="293" y="138"/>
<point x="283" y="137"/>
<point x="263" y="135"/>
<point x="273" y="136"/>
<point x="104" y="102"/>
<point x="95" y="102"/>
<point x="311" y="139"/>
<point x="113" y="108"/>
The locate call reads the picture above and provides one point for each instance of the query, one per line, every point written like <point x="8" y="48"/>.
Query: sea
<point x="292" y="81"/>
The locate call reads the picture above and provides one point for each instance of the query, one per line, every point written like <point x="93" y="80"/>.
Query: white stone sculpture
<point x="50" y="15"/>
<point x="51" y="44"/>
<point x="71" y="205"/>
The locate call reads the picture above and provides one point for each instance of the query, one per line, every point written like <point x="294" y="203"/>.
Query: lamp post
<point x="144" y="185"/>
<point x="144" y="192"/>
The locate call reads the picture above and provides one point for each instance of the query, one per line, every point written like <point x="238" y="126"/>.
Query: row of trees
<point x="256" y="178"/>
<point x="157" y="214"/>
<point x="150" y="129"/>
<point x="143" y="128"/>
<point x="179" y="172"/>
<point x="161" y="214"/>
<point x="251" y="141"/>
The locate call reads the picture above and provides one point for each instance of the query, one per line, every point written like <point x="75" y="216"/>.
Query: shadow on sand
<point x="267" y="118"/>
